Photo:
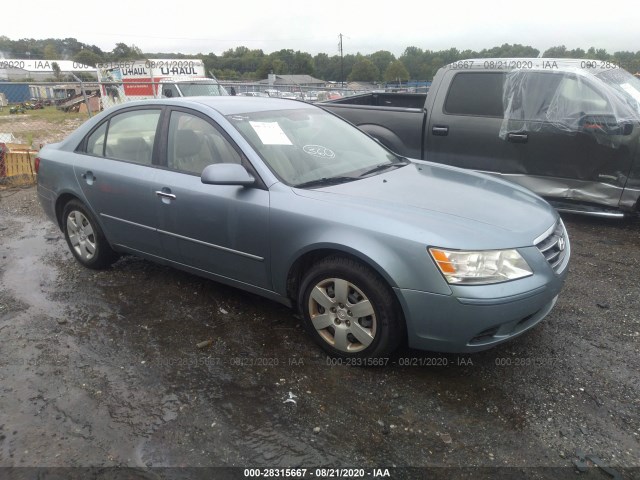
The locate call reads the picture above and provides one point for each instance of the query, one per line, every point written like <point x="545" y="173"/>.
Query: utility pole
<point x="341" y="63"/>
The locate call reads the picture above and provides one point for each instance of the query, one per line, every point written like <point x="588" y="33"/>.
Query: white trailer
<point x="155" y="78"/>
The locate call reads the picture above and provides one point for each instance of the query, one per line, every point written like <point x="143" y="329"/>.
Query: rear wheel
<point x="349" y="310"/>
<point x="85" y="238"/>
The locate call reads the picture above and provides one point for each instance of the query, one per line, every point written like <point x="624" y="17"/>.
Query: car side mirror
<point x="605" y="124"/>
<point x="227" y="174"/>
<point x="626" y="128"/>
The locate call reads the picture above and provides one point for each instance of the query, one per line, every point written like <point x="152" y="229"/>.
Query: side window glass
<point x="194" y="143"/>
<point x="553" y="97"/>
<point x="131" y="136"/>
<point x="476" y="93"/>
<point x="95" y="142"/>
<point x="577" y="98"/>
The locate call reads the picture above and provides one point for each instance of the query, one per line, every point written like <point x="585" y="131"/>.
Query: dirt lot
<point x="103" y="369"/>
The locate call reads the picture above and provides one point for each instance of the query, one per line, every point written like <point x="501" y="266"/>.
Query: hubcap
<point x="342" y="315"/>
<point x="81" y="235"/>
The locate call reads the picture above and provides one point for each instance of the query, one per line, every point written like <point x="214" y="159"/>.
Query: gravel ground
<point x="103" y="369"/>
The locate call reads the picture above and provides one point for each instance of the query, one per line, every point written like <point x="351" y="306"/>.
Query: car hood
<point x="456" y="207"/>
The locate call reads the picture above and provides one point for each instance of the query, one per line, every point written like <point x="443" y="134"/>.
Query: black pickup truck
<point x="567" y="129"/>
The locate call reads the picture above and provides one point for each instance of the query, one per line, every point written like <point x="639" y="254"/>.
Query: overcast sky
<point x="367" y="26"/>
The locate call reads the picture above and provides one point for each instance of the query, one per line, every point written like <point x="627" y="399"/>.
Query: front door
<point x="575" y="148"/>
<point x="219" y="229"/>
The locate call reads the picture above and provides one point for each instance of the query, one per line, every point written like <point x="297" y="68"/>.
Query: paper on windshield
<point x="270" y="133"/>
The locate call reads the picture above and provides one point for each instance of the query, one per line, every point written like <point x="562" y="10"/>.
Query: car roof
<point x="226" y="105"/>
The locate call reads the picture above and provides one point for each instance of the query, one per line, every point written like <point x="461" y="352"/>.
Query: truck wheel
<point x="349" y="310"/>
<point x="85" y="238"/>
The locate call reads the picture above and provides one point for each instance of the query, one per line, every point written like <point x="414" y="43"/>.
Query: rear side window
<point x="131" y="136"/>
<point x="476" y="93"/>
<point x="127" y="136"/>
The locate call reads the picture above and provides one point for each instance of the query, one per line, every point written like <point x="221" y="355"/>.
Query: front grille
<point x="554" y="247"/>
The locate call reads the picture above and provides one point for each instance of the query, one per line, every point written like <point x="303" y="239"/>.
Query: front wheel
<point x="85" y="238"/>
<point x="349" y="310"/>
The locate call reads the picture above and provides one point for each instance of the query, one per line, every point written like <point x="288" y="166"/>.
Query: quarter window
<point x="95" y="142"/>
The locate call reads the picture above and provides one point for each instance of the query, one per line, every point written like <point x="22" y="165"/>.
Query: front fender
<point x="300" y="226"/>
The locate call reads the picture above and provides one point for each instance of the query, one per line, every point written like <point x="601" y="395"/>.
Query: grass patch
<point x="49" y="114"/>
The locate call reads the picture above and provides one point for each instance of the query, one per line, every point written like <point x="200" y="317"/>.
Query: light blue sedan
<point x="283" y="199"/>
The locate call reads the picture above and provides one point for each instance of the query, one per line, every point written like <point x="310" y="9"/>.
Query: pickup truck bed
<point x="376" y="112"/>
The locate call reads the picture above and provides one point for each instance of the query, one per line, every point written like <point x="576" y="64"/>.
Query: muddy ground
<point x="103" y="369"/>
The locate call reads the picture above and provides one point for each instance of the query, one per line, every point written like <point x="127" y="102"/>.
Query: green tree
<point x="364" y="70"/>
<point x="382" y="59"/>
<point x="87" y="57"/>
<point x="555" y="52"/>
<point x="414" y="60"/>
<point x="507" y="50"/>
<point x="272" y="64"/>
<point x="396" y="71"/>
<point x="57" y="73"/>
<point x="122" y="51"/>
<point x="50" y="52"/>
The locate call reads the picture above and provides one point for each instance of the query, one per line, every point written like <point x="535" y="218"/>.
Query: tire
<point x="349" y="310"/>
<point x="85" y="238"/>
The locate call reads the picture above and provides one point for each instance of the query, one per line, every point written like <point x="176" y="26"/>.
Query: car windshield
<point x="195" y="89"/>
<point x="307" y="146"/>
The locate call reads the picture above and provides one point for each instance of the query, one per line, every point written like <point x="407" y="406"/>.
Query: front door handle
<point x="166" y="195"/>
<point x="440" y="130"/>
<point x="518" y="137"/>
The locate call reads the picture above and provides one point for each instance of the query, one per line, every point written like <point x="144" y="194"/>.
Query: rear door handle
<point x="518" y="137"/>
<point x="440" y="130"/>
<point x="88" y="177"/>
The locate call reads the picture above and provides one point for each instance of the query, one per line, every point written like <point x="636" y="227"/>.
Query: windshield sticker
<point x="319" y="151"/>
<point x="631" y="91"/>
<point x="270" y="133"/>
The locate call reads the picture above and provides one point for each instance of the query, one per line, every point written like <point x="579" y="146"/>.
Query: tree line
<point x="242" y="63"/>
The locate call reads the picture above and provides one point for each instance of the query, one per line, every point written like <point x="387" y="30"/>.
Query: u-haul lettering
<point x="134" y="72"/>
<point x="174" y="71"/>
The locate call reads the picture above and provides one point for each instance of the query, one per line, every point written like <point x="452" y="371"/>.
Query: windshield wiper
<point x="325" y="181"/>
<point x="384" y="166"/>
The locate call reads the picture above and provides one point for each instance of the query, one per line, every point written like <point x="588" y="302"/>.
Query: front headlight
<point x="481" y="267"/>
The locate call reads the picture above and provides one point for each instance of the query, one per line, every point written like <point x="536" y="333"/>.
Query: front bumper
<point x="475" y="318"/>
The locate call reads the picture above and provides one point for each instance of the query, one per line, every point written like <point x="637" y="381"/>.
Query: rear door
<point x="465" y="120"/>
<point x="115" y="171"/>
